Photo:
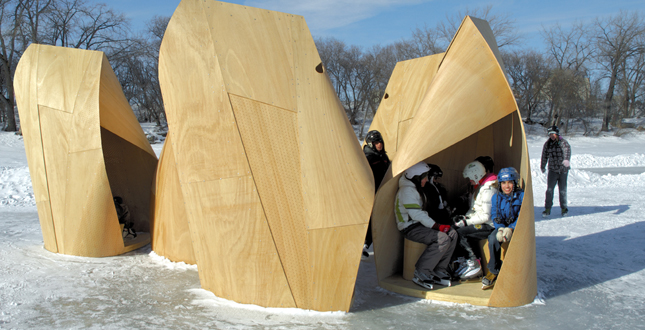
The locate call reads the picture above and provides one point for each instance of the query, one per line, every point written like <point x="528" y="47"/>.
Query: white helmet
<point x="417" y="169"/>
<point x="474" y="171"/>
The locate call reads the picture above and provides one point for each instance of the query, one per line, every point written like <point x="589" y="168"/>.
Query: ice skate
<point x="442" y="278"/>
<point x="459" y="266"/>
<point x="546" y="213"/>
<point x="423" y="280"/>
<point x="565" y="211"/>
<point x="473" y="269"/>
<point x="488" y="281"/>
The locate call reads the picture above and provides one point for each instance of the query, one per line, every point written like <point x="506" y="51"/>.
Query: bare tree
<point x="529" y="73"/>
<point x="138" y="73"/>
<point x="11" y="19"/>
<point x="569" y="49"/>
<point x="503" y="26"/>
<point x="75" y="24"/>
<point x="616" y="42"/>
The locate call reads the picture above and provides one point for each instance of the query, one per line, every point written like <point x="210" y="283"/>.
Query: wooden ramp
<point x="84" y="145"/>
<point x="447" y="109"/>
<point x="277" y="191"/>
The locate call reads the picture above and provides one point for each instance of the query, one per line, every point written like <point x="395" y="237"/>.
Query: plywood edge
<point x="462" y="293"/>
<point x="131" y="244"/>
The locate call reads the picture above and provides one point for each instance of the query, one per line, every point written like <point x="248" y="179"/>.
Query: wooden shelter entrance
<point x="448" y="109"/>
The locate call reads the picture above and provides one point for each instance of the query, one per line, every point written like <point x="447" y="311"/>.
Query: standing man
<point x="374" y="150"/>
<point x="557" y="153"/>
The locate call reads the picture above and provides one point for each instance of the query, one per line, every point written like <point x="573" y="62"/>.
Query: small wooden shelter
<point x="275" y="189"/>
<point x="447" y="109"/>
<point x="84" y="145"/>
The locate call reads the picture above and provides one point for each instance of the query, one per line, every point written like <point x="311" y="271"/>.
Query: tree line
<point x="587" y="71"/>
<point x="84" y="25"/>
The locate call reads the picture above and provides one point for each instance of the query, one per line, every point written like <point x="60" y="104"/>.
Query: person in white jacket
<point x="415" y="224"/>
<point x="476" y="224"/>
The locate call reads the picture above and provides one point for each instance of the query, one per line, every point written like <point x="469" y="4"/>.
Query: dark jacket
<point x="379" y="163"/>
<point x="554" y="152"/>
<point x="436" y="194"/>
<point x="506" y="208"/>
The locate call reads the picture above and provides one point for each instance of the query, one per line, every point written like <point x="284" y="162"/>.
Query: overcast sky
<point x="371" y="22"/>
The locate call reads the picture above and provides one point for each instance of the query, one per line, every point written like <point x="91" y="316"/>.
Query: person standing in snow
<point x="557" y="153"/>
<point x="505" y="209"/>
<point x="415" y="224"/>
<point x="476" y="224"/>
<point x="374" y="150"/>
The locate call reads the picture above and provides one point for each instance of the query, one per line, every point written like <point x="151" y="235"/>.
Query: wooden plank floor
<point x="469" y="292"/>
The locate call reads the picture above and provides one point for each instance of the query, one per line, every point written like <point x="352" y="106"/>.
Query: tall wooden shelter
<point x="277" y="191"/>
<point x="447" y="109"/>
<point x="84" y="145"/>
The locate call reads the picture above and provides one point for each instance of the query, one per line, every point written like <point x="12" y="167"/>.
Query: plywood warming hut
<point x="84" y="146"/>
<point x="277" y="191"/>
<point x="447" y="109"/>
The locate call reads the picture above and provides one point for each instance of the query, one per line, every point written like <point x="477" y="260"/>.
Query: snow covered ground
<point x="591" y="266"/>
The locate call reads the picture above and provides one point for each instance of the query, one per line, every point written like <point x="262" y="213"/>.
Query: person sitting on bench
<point x="505" y="209"/>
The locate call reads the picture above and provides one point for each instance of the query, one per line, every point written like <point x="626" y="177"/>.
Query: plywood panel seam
<point x="49" y="205"/>
<point x="85" y="73"/>
<point x="255" y="185"/>
<point x="264" y="103"/>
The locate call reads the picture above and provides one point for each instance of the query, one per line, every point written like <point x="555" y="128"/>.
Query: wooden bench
<point x="413" y="250"/>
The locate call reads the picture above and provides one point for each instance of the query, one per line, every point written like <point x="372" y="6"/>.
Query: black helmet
<point x="435" y="171"/>
<point x="373" y="137"/>
<point x="553" y="130"/>
<point x="487" y="162"/>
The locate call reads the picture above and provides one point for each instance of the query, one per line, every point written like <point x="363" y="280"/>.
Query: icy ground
<point x="591" y="267"/>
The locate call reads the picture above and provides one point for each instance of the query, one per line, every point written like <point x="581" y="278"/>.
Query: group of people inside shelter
<point x="490" y="210"/>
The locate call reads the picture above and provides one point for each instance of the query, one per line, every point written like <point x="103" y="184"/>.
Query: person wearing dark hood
<point x="374" y="150"/>
<point x="557" y="153"/>
<point x="415" y="224"/>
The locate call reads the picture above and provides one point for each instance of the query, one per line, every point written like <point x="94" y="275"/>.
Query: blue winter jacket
<point x="506" y="209"/>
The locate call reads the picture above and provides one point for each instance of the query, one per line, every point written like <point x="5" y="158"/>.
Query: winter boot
<point x="546" y="213"/>
<point x="565" y="211"/>
<point x="366" y="253"/>
<point x="473" y="269"/>
<point x="488" y="281"/>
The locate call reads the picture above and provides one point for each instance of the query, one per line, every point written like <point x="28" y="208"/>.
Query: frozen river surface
<point x="590" y="268"/>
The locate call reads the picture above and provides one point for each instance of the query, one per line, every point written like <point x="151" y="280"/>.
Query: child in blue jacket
<point x="505" y="209"/>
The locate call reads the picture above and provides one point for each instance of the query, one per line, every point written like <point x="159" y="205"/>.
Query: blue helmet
<point x="508" y="174"/>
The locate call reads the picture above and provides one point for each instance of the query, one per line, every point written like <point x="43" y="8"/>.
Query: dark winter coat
<point x="436" y="196"/>
<point x="506" y="208"/>
<point x="379" y="162"/>
<point x="555" y="152"/>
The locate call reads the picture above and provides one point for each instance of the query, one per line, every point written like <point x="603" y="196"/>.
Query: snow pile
<point x="15" y="187"/>
<point x="591" y="161"/>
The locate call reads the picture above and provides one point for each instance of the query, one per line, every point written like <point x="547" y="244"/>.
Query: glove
<point x="508" y="233"/>
<point x="565" y="163"/>
<point x="500" y="235"/>
<point x="444" y="228"/>
<point x="460" y="220"/>
<point x="543" y="170"/>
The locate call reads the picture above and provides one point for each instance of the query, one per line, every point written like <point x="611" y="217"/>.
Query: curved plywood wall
<point x="467" y="110"/>
<point x="406" y="89"/>
<point x="276" y="188"/>
<point x="84" y="145"/>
